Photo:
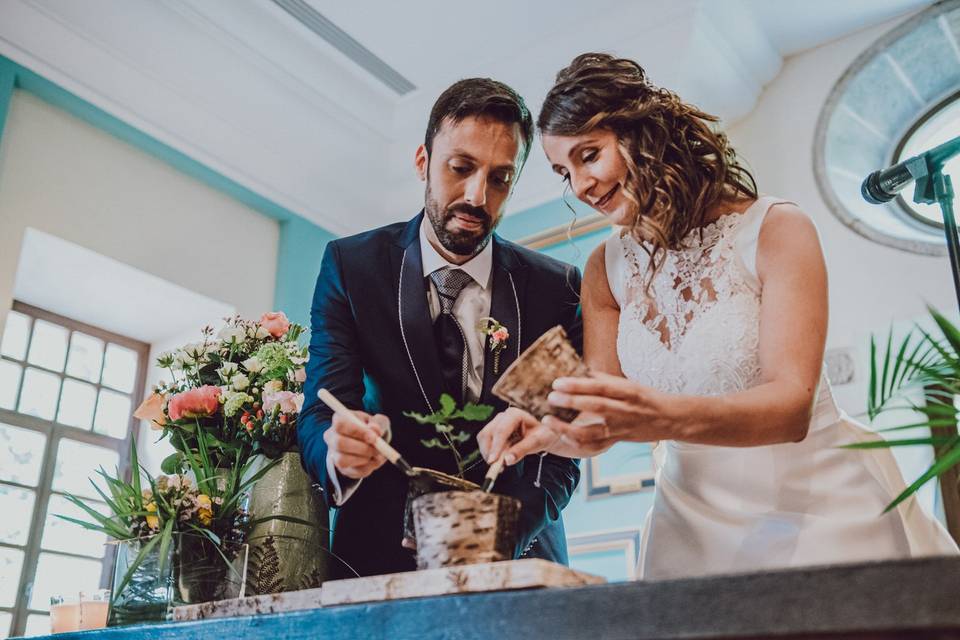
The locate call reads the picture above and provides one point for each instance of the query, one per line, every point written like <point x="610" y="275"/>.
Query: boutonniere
<point x="498" y="335"/>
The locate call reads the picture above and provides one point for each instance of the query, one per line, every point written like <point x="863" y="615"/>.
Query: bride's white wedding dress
<point x="731" y="509"/>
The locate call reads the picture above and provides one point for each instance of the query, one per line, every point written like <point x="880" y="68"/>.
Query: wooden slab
<point x="531" y="573"/>
<point x="251" y="606"/>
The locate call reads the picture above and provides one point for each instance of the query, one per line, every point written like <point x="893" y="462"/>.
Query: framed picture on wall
<point x="613" y="554"/>
<point x="627" y="467"/>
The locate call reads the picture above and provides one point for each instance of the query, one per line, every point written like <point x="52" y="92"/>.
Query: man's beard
<point x="461" y="242"/>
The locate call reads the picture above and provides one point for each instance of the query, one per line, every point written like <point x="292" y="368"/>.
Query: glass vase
<point x="148" y="595"/>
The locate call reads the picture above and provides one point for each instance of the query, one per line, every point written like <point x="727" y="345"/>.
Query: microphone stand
<point x="937" y="187"/>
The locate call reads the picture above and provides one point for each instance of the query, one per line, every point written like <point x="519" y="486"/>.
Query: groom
<point x="394" y="325"/>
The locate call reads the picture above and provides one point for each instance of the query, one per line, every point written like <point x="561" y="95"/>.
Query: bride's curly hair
<point x="678" y="166"/>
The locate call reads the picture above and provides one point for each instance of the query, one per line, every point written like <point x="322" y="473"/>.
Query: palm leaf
<point x="946" y="422"/>
<point x="886" y="444"/>
<point x="949" y="459"/>
<point x="950" y="332"/>
<point x="920" y="361"/>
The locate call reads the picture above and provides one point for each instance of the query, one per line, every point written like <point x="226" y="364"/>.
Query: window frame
<point x="54" y="433"/>
<point x="901" y="199"/>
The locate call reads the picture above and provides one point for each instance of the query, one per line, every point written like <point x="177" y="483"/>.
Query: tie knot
<point x="449" y="283"/>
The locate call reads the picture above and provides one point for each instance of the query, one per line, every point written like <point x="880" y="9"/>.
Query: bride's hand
<point x="518" y="428"/>
<point x="629" y="411"/>
<point x="514" y="434"/>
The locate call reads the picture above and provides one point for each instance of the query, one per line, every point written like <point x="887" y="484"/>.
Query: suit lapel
<point x="509" y="279"/>
<point x="416" y="326"/>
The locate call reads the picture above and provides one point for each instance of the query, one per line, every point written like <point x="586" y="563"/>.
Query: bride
<point x="705" y="319"/>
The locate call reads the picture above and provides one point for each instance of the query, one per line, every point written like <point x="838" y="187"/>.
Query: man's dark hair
<point x="476" y="97"/>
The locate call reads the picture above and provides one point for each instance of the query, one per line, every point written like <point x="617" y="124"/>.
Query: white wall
<point x="201" y="254"/>
<point x="66" y="178"/>
<point x="871" y="286"/>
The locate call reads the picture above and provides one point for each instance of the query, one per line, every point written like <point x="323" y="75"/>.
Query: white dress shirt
<point x="471" y="306"/>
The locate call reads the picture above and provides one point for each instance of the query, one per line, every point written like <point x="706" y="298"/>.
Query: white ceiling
<point x="243" y="87"/>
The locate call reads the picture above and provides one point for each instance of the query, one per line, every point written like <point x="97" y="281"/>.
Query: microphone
<point x="882" y="186"/>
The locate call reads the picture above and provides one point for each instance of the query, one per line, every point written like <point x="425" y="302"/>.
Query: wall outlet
<point x="841" y="365"/>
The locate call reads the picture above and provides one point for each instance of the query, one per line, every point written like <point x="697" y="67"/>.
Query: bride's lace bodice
<point x="696" y="329"/>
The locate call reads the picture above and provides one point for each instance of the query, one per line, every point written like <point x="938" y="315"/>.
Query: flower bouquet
<point x="240" y="391"/>
<point x="243" y="388"/>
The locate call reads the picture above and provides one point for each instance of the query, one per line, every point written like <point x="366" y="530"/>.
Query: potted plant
<point x="176" y="537"/>
<point x="448" y="519"/>
<point x="920" y="373"/>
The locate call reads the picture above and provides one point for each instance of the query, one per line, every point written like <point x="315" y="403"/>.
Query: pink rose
<point x="195" y="403"/>
<point x="288" y="401"/>
<point x="275" y="322"/>
<point x="300" y="375"/>
<point x="500" y="335"/>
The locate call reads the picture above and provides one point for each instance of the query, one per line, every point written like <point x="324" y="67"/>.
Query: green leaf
<point x="112" y="503"/>
<point x="171" y="464"/>
<point x="949" y="459"/>
<point x="418" y="417"/>
<point x="447" y="404"/>
<point x="886" y="444"/>
<point x="134" y="466"/>
<point x="165" y="538"/>
<point x="948" y="422"/>
<point x="476" y="412"/>
<point x="444" y="428"/>
<point x="469" y="459"/>
<point x="950" y="332"/>
<point x="89" y="525"/>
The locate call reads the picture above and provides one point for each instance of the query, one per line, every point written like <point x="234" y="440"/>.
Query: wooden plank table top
<point x="917" y="598"/>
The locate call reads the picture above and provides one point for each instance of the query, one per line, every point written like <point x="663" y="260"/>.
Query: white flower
<point x="232" y="334"/>
<point x="252" y="365"/>
<point x="194" y="353"/>
<point x="240" y="382"/>
<point x="262" y="333"/>
<point x="272" y="386"/>
<point x="227" y="369"/>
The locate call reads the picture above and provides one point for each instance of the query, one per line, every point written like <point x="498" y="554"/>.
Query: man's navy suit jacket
<point x="372" y="347"/>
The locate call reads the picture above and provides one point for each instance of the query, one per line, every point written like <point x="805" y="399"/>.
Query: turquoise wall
<point x="301" y="242"/>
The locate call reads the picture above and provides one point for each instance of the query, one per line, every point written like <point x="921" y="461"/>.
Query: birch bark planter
<point x="529" y="380"/>
<point x="464" y="527"/>
<point x="426" y="481"/>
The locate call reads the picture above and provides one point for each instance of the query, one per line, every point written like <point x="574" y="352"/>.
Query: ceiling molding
<point x="250" y="92"/>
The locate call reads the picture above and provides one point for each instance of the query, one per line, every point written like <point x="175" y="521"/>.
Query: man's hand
<point x="351" y="448"/>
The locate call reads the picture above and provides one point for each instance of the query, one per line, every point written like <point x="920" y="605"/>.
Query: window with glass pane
<point x="937" y="126"/>
<point x="67" y="391"/>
